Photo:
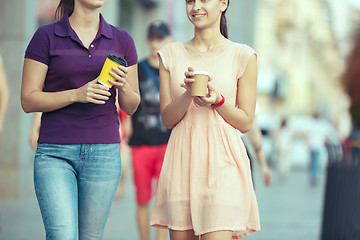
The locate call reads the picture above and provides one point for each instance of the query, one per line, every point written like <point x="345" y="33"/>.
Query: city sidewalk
<point x="289" y="211"/>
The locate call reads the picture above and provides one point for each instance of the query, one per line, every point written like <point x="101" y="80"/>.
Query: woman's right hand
<point x="93" y="92"/>
<point x="189" y="78"/>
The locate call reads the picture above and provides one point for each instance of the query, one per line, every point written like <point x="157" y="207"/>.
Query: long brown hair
<point x="223" y="23"/>
<point x="63" y="7"/>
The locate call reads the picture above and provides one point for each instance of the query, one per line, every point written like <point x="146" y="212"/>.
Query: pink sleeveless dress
<point x="205" y="183"/>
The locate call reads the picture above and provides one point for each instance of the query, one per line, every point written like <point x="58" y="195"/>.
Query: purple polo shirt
<point x="70" y="66"/>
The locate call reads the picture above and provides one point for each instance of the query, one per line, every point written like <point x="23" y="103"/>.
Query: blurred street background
<point x="302" y="49"/>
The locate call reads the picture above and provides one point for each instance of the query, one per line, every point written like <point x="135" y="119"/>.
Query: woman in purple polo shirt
<point x="77" y="163"/>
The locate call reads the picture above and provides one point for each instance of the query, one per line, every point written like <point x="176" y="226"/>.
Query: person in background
<point x="4" y="95"/>
<point x="149" y="135"/>
<point x="125" y="132"/>
<point x="319" y="134"/>
<point x="205" y="188"/>
<point x="284" y="144"/>
<point x="253" y="143"/>
<point x="34" y="131"/>
<point x="77" y="164"/>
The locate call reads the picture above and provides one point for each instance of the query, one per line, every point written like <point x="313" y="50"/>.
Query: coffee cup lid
<point x="201" y="72"/>
<point x="117" y="59"/>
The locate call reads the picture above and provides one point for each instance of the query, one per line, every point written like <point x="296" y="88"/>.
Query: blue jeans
<point x="75" y="185"/>
<point x="315" y="165"/>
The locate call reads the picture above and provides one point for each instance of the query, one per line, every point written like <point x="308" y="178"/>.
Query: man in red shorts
<point x="149" y="136"/>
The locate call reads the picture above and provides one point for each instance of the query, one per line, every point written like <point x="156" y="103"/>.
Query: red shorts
<point x="147" y="162"/>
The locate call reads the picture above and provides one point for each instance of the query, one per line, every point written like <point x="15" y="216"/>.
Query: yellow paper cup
<point x="111" y="61"/>
<point x="199" y="87"/>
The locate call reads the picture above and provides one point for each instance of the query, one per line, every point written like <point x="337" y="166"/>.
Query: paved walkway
<point x="289" y="211"/>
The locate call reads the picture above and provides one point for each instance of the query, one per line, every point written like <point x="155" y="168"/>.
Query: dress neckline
<point x="205" y="58"/>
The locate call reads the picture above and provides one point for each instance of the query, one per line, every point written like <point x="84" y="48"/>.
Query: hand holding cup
<point x="212" y="97"/>
<point x="189" y="78"/>
<point x="196" y="82"/>
<point x="114" y="69"/>
<point x="120" y="76"/>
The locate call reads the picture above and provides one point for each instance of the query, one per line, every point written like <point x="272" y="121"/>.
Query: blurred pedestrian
<point x="318" y="136"/>
<point x="77" y="162"/>
<point x="253" y="144"/>
<point x="205" y="186"/>
<point x="149" y="135"/>
<point x="4" y="95"/>
<point x="125" y="132"/>
<point x="284" y="146"/>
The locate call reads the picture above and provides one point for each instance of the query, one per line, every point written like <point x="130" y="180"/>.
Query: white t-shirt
<point x="320" y="132"/>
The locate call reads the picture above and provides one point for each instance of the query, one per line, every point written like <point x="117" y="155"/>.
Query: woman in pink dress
<point x="205" y="188"/>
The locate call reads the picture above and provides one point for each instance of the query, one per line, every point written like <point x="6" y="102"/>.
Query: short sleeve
<point x="165" y="54"/>
<point x="38" y="48"/>
<point x="244" y="54"/>
<point x="130" y="53"/>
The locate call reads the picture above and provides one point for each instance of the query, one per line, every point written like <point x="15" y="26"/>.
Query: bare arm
<point x="242" y="117"/>
<point x="33" y="99"/>
<point x="4" y="96"/>
<point x="255" y="137"/>
<point x="172" y="111"/>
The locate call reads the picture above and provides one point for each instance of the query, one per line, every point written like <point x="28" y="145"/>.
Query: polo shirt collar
<point x="105" y="28"/>
<point x="63" y="28"/>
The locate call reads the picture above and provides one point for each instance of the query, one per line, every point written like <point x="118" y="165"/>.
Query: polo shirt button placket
<point x="91" y="47"/>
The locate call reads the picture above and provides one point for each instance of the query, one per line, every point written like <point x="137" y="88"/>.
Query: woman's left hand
<point x="120" y="75"/>
<point x="212" y="97"/>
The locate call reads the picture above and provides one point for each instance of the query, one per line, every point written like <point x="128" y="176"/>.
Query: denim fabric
<point x="315" y="164"/>
<point x="75" y="185"/>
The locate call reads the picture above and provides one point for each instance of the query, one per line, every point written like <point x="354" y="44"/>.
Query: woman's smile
<point x="198" y="16"/>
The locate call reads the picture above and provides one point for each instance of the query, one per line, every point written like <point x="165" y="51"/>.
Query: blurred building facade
<point x="302" y="47"/>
